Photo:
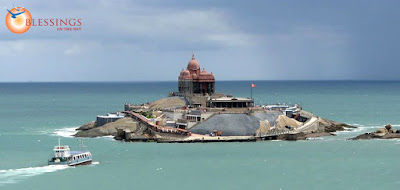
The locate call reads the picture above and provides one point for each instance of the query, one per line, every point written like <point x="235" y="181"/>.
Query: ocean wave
<point x="359" y="129"/>
<point x="68" y="132"/>
<point x="15" y="175"/>
<point x="315" y="138"/>
<point x="356" y="125"/>
<point x="62" y="132"/>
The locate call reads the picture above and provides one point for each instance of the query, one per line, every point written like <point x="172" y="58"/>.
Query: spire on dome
<point x="193" y="56"/>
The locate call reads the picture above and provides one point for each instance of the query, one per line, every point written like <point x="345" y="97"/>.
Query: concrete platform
<point x="205" y="139"/>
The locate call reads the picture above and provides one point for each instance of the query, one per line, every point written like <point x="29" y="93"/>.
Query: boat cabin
<point x="61" y="151"/>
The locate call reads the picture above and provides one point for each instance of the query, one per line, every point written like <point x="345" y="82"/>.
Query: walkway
<point x="155" y="127"/>
<point x="307" y="125"/>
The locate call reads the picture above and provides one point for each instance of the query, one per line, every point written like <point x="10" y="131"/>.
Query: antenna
<point x="59" y="142"/>
<point x="82" y="144"/>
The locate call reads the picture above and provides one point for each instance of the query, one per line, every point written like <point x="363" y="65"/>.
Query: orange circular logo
<point x="16" y="20"/>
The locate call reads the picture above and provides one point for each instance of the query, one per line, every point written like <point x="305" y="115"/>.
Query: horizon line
<point x="139" y="81"/>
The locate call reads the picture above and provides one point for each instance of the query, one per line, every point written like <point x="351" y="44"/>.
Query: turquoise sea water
<point x="34" y="115"/>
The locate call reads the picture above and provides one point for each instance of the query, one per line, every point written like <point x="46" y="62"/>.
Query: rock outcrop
<point x="284" y="121"/>
<point x="330" y="126"/>
<point x="87" y="126"/>
<point x="326" y="125"/>
<point x="88" y="130"/>
<point x="386" y="132"/>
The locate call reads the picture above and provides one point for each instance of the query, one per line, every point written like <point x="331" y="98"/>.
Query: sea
<point x="34" y="115"/>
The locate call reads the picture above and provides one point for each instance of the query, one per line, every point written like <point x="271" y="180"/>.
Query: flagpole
<point x="251" y="92"/>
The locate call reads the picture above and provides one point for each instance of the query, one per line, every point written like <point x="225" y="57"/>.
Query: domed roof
<point x="203" y="72"/>
<point x="181" y="74"/>
<point x="193" y="64"/>
<point x="186" y="75"/>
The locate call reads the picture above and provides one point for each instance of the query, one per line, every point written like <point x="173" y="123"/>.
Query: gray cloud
<point x="152" y="40"/>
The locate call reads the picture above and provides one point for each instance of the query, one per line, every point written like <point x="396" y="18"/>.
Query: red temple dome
<point x="193" y="64"/>
<point x="193" y="80"/>
<point x="186" y="75"/>
<point x="180" y="74"/>
<point x="203" y="72"/>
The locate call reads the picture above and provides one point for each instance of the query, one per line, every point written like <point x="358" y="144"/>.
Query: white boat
<point x="63" y="156"/>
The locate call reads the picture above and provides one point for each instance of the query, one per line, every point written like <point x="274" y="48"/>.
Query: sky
<point x="152" y="40"/>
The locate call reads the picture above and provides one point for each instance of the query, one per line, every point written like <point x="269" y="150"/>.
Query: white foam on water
<point x="315" y="138"/>
<point x="109" y="137"/>
<point x="62" y="132"/>
<point x="15" y="175"/>
<point x="67" y="132"/>
<point x="95" y="163"/>
<point x="356" y="125"/>
<point x="359" y="129"/>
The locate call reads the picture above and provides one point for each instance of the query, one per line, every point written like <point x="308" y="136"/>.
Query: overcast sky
<point x="152" y="40"/>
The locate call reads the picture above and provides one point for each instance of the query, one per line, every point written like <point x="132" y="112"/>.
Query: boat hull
<point x="69" y="163"/>
<point x="86" y="162"/>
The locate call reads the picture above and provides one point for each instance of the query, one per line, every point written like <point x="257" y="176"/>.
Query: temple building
<point x="193" y="80"/>
<point x="198" y="88"/>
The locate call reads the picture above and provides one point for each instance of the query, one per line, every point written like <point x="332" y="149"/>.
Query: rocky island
<point x="197" y="113"/>
<point x="386" y="132"/>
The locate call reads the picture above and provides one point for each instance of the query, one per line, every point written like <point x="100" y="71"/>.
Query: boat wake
<point x="14" y="175"/>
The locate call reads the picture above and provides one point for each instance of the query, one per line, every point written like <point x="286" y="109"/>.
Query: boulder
<point x="389" y="128"/>
<point x="381" y="132"/>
